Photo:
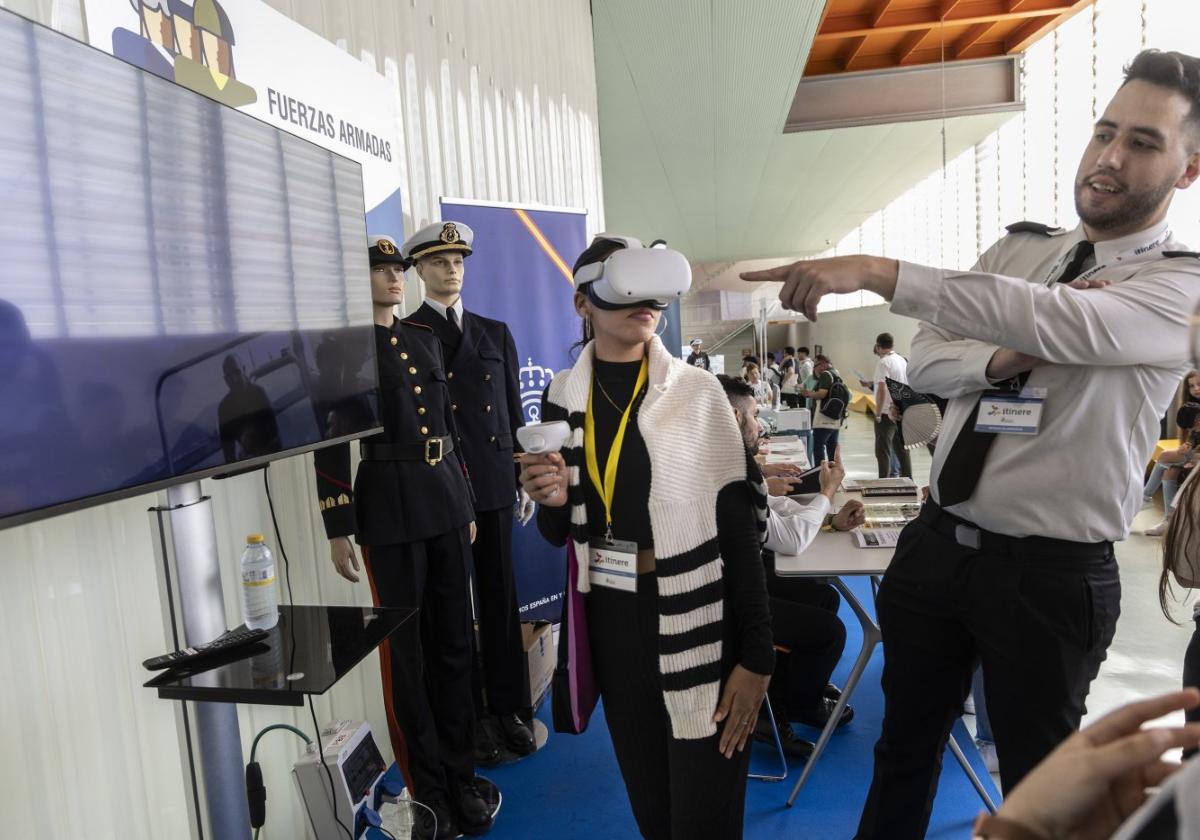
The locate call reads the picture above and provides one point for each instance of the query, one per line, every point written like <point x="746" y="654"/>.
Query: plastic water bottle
<point x="260" y="596"/>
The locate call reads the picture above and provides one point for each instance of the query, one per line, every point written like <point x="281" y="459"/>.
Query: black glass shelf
<point x="329" y="643"/>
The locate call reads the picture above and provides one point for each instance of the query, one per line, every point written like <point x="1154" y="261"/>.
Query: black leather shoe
<point x="487" y="751"/>
<point x="517" y="736"/>
<point x="819" y="715"/>
<point x="833" y="692"/>
<point x="793" y="745"/>
<point x="423" y="825"/>
<point x="473" y="815"/>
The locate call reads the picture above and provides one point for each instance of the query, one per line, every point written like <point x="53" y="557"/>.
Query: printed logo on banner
<point x="534" y="379"/>
<point x="191" y="45"/>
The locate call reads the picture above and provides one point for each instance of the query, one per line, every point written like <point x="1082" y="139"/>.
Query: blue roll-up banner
<point x="520" y="273"/>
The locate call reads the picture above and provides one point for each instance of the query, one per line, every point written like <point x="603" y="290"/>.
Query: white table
<point x="833" y="554"/>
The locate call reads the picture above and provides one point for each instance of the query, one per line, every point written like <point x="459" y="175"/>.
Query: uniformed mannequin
<point x="481" y="368"/>
<point x="410" y="510"/>
<point x="1011" y="562"/>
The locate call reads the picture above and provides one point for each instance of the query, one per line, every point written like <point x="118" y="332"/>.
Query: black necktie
<point x="452" y="317"/>
<point x="964" y="462"/>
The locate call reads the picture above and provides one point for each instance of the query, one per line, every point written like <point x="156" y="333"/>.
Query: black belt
<point x="970" y="535"/>
<point x="431" y="451"/>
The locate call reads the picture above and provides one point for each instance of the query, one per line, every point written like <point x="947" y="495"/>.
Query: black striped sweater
<point x="699" y="476"/>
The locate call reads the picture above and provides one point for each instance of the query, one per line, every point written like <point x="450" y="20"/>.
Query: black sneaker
<point x="818" y="716"/>
<point x="517" y="736"/>
<point x="487" y="751"/>
<point x="473" y="815"/>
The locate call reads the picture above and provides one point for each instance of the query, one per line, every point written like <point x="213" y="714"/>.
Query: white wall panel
<point x="496" y="101"/>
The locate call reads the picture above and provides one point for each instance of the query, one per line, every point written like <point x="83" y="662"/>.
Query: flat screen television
<point x="184" y="289"/>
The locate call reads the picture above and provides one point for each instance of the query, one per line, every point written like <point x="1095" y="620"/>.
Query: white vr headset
<point x="635" y="276"/>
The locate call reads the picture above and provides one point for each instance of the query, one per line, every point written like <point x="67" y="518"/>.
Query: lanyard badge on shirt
<point x="612" y="563"/>
<point x="1141" y="253"/>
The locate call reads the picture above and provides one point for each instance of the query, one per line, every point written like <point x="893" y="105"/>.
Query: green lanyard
<point x="608" y="487"/>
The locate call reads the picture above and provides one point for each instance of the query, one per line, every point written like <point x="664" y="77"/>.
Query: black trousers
<point x="887" y="441"/>
<point x="678" y="789"/>
<point x="790" y="400"/>
<point x="804" y="620"/>
<point x="426" y="663"/>
<point x="1039" y="614"/>
<point x="499" y="623"/>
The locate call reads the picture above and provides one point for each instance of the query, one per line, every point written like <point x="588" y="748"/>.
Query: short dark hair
<point x="885" y="341"/>
<point x="1172" y="70"/>
<point x="735" y="387"/>
<point x="749" y="360"/>
<point x="791" y="351"/>
<point x="821" y="357"/>
<point x="804" y="350"/>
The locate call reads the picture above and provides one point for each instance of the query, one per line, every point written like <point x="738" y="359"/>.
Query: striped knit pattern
<point x="683" y="407"/>
<point x="758" y="490"/>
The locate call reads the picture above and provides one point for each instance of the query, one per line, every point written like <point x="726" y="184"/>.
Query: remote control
<point x="222" y="644"/>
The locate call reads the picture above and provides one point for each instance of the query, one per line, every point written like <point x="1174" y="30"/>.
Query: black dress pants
<point x="499" y="622"/>
<point x="426" y="663"/>
<point x="1039" y="614"/>
<point x="678" y="789"/>
<point x="813" y="640"/>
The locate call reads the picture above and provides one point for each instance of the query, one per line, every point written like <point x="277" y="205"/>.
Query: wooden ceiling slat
<point x="909" y="45"/>
<point x="852" y="53"/>
<point x="971" y="37"/>
<point x="853" y="26"/>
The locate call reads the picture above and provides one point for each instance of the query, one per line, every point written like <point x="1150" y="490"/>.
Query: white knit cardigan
<point x="695" y="450"/>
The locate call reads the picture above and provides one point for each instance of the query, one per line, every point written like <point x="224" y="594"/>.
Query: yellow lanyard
<point x="609" y="485"/>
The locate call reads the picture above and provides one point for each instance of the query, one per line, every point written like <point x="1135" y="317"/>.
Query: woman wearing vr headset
<point x="654" y="477"/>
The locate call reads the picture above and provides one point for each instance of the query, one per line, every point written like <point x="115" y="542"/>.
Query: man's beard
<point x="1131" y="212"/>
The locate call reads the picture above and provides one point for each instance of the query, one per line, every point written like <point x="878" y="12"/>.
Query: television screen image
<point x="184" y="289"/>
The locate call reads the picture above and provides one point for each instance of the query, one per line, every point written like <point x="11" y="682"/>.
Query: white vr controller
<point x="636" y="275"/>
<point x="540" y="438"/>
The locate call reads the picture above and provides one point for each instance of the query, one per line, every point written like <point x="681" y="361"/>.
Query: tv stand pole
<point x="188" y="543"/>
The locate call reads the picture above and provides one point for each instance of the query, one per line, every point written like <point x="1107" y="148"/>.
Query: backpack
<point x="836" y="404"/>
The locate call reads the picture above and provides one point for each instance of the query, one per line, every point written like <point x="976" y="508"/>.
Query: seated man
<point x="803" y="610"/>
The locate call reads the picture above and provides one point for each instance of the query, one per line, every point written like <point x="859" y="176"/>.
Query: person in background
<point x="1177" y="464"/>
<point x="682" y="654"/>
<point x="760" y="389"/>
<point x="1181" y="559"/>
<point x="825" y="429"/>
<point x="804" y="365"/>
<point x="888" y="445"/>
<point x="804" y="617"/>
<point x="1004" y="566"/>
<point x="698" y="357"/>
<point x="1189" y="391"/>
<point x="410" y="507"/>
<point x="789" y="381"/>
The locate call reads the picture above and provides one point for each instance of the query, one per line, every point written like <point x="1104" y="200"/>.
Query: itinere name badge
<point x="1009" y="415"/>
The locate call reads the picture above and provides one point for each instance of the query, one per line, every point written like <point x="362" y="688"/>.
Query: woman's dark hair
<point x="1173" y="70"/>
<point x="598" y="251"/>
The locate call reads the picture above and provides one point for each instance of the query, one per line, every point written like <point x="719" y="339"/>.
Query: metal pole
<point x="191" y="541"/>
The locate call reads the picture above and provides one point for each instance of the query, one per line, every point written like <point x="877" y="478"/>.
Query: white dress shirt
<point x="891" y="366"/>
<point x="792" y="527"/>
<point x="804" y="370"/>
<point x="441" y="308"/>
<point x="1117" y="355"/>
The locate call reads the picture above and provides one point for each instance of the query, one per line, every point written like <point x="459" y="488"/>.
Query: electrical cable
<point x="329" y="773"/>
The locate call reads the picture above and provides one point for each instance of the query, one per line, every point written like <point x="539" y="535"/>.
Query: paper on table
<point x="851" y="484"/>
<point x="876" y="537"/>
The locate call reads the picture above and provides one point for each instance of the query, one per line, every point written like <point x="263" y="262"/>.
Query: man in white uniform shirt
<point x="1011" y="561"/>
<point x="891" y="365"/>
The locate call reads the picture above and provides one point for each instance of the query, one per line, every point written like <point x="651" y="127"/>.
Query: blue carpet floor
<point x="571" y="790"/>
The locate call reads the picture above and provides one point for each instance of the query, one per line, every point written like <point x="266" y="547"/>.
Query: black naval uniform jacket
<point x="481" y="365"/>
<point x="400" y="501"/>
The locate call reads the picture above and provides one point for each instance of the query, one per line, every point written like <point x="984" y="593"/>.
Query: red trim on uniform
<point x="333" y="480"/>
<point x="399" y="743"/>
<point x="415" y="324"/>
